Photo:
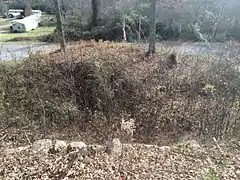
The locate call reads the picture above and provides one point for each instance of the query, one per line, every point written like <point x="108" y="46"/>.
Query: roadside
<point x="225" y="50"/>
<point x="18" y="45"/>
<point x="20" y="51"/>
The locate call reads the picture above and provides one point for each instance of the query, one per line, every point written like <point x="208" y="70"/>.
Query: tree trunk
<point x="28" y="8"/>
<point x="124" y="30"/>
<point x="60" y="31"/>
<point x="64" y="10"/>
<point x="180" y="31"/>
<point x="152" y="31"/>
<point x="216" y="30"/>
<point x="218" y="22"/>
<point x="82" y="10"/>
<point x="95" y="13"/>
<point x="139" y="28"/>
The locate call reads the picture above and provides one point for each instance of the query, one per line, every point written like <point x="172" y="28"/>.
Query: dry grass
<point x="88" y="92"/>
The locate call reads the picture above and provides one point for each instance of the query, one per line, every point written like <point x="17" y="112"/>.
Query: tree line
<point x="195" y="20"/>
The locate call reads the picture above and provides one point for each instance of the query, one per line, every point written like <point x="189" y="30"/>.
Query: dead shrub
<point x="95" y="85"/>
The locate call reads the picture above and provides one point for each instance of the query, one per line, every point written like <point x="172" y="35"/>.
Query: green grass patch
<point x="48" y="21"/>
<point x="211" y="175"/>
<point x="27" y="36"/>
<point x="4" y="22"/>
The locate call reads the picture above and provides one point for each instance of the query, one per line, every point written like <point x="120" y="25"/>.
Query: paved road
<point x="219" y="49"/>
<point x="19" y="51"/>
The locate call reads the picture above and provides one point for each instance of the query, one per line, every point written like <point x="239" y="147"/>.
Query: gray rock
<point x="16" y="150"/>
<point x="42" y="145"/>
<point x="193" y="145"/>
<point x="114" y="147"/>
<point x="76" y="146"/>
<point x="165" y="149"/>
<point x="60" y="146"/>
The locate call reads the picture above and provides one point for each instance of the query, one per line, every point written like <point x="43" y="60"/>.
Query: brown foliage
<point x="95" y="85"/>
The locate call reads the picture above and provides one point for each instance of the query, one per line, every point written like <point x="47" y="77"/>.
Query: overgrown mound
<point x="96" y="87"/>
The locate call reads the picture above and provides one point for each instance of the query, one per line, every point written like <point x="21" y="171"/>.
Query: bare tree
<point x="95" y="12"/>
<point x="60" y="31"/>
<point x="152" y="26"/>
<point x="218" y="22"/>
<point x="124" y="30"/>
<point x="139" y="28"/>
<point x="28" y="8"/>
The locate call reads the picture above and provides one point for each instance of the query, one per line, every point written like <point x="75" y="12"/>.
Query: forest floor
<point x="38" y="101"/>
<point x="184" y="161"/>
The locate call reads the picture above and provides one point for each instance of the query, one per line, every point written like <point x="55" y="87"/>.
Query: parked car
<point x="14" y="13"/>
<point x="21" y="16"/>
<point x="4" y="15"/>
<point x="19" y="13"/>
